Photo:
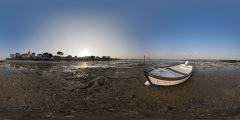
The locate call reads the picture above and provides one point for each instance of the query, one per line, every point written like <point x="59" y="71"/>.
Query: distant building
<point x="24" y="56"/>
<point x="33" y="55"/>
<point x="56" y="57"/>
<point x="106" y="57"/>
<point x="39" y="56"/>
<point x="46" y="55"/>
<point x="49" y="56"/>
<point x="12" y="56"/>
<point x="17" y="56"/>
<point x="97" y="58"/>
<point x="90" y="57"/>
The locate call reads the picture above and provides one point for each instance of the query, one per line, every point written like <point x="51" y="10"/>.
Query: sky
<point x="159" y="29"/>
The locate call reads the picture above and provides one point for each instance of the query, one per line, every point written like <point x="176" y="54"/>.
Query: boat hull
<point x="159" y="82"/>
<point x="168" y="76"/>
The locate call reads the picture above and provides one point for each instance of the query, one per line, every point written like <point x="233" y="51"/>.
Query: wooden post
<point x="147" y="60"/>
<point x="144" y="60"/>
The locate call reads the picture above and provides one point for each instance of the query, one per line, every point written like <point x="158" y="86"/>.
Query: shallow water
<point x="6" y="68"/>
<point x="69" y="65"/>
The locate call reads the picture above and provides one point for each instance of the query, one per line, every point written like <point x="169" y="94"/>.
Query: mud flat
<point x="115" y="90"/>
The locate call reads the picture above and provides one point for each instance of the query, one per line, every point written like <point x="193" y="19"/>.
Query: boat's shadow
<point x="173" y="94"/>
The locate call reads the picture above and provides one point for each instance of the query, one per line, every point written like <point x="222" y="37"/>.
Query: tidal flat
<point x="116" y="90"/>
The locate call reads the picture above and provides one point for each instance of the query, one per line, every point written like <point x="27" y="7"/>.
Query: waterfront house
<point x="12" y="56"/>
<point x="106" y="57"/>
<point x="17" y="55"/>
<point x="39" y="56"/>
<point x="46" y="56"/>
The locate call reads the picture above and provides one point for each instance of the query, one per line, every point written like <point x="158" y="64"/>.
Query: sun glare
<point x="85" y="52"/>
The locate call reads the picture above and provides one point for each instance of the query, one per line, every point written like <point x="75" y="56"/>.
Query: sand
<point x="115" y="90"/>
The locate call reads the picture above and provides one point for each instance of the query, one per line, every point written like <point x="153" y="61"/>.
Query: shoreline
<point x="52" y="61"/>
<point x="33" y="61"/>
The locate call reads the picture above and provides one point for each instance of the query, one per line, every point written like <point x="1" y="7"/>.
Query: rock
<point x="117" y="99"/>
<point x="111" y="110"/>
<point x="101" y="82"/>
<point x="103" y="106"/>
<point x="70" y="77"/>
<point x="169" y="108"/>
<point x="69" y="116"/>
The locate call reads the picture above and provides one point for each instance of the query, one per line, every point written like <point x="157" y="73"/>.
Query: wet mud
<point x="115" y="90"/>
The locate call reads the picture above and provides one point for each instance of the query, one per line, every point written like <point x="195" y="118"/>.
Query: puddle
<point x="6" y="68"/>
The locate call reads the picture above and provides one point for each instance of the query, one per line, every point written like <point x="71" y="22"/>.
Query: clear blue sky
<point x="206" y="29"/>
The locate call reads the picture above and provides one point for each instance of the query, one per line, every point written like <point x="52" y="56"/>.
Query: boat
<point x="169" y="75"/>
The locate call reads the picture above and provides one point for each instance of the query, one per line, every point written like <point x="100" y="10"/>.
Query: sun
<point x="85" y="52"/>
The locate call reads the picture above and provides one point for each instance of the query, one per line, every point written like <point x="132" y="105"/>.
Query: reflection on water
<point x="10" y="67"/>
<point x="6" y="68"/>
<point x="13" y="67"/>
<point x="93" y="64"/>
<point x="104" y="64"/>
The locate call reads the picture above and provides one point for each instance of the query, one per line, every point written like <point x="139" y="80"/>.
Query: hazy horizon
<point x="187" y="29"/>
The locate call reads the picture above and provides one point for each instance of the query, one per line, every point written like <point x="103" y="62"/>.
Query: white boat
<point x="168" y="76"/>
